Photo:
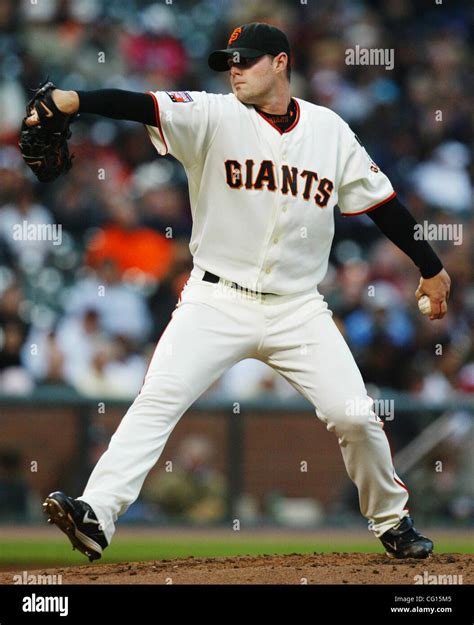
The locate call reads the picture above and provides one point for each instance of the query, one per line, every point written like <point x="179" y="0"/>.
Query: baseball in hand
<point x="424" y="305"/>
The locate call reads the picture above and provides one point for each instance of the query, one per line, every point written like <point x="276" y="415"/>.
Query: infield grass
<point x="57" y="551"/>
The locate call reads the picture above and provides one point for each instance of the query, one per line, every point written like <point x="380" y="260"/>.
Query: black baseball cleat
<point x="404" y="541"/>
<point x="78" y="521"/>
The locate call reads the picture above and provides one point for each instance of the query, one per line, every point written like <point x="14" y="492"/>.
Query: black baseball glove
<point x="44" y="146"/>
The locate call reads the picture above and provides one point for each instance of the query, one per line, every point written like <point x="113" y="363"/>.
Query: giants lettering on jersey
<point x="292" y="181"/>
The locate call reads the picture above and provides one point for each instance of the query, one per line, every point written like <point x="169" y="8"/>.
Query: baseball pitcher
<point x="265" y="172"/>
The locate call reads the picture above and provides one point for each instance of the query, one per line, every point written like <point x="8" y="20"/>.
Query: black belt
<point x="211" y="277"/>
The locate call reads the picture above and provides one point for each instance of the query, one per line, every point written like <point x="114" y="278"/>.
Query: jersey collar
<point x="290" y="128"/>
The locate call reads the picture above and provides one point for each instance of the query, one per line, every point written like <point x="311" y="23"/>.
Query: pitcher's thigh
<point x="321" y="366"/>
<point x="197" y="346"/>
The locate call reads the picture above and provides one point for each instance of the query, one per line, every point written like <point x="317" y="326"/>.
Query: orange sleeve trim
<point x="371" y="208"/>
<point x="158" y="120"/>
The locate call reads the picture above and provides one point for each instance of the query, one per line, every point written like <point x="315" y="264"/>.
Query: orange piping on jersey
<point x="297" y="118"/>
<point x="399" y="482"/>
<point x="158" y="121"/>
<point x="371" y="208"/>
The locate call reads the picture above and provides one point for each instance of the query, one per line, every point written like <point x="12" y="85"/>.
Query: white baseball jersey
<point x="263" y="200"/>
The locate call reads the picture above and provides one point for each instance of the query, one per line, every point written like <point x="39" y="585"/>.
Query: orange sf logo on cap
<point x="235" y="35"/>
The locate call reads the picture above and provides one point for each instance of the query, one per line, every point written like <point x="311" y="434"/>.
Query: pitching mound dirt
<point x="336" y="568"/>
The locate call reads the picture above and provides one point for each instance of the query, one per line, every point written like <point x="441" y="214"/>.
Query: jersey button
<point x="275" y="240"/>
<point x="268" y="270"/>
<point x="283" y="209"/>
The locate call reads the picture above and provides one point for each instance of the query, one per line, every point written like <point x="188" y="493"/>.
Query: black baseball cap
<point x="250" y="41"/>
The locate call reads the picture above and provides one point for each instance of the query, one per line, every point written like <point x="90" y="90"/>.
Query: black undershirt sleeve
<point x="398" y="224"/>
<point x="119" y="104"/>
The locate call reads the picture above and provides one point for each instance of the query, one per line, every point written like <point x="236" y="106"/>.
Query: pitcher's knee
<point x="164" y="393"/>
<point x="349" y="417"/>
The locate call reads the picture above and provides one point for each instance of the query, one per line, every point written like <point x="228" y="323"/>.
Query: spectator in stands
<point x="14" y="378"/>
<point x="382" y="333"/>
<point x="43" y="357"/>
<point x="114" y="371"/>
<point x="156" y="49"/>
<point x="134" y="249"/>
<point x="16" y="217"/>
<point x="446" y="167"/>
<point x="11" y="174"/>
<point x="77" y="336"/>
<point x="10" y="302"/>
<point x="162" y="201"/>
<point x="122" y="309"/>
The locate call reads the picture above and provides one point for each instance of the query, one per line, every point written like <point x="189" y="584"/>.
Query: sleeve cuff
<point x="371" y="208"/>
<point x="158" y="120"/>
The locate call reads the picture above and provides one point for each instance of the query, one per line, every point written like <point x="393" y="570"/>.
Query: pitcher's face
<point x="252" y="79"/>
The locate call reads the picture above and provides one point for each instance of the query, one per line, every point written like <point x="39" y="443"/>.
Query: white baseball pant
<point x="213" y="327"/>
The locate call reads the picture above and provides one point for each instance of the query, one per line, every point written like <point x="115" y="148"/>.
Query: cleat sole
<point x="57" y="516"/>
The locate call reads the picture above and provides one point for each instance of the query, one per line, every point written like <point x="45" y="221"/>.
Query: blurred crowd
<point x="86" y="307"/>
